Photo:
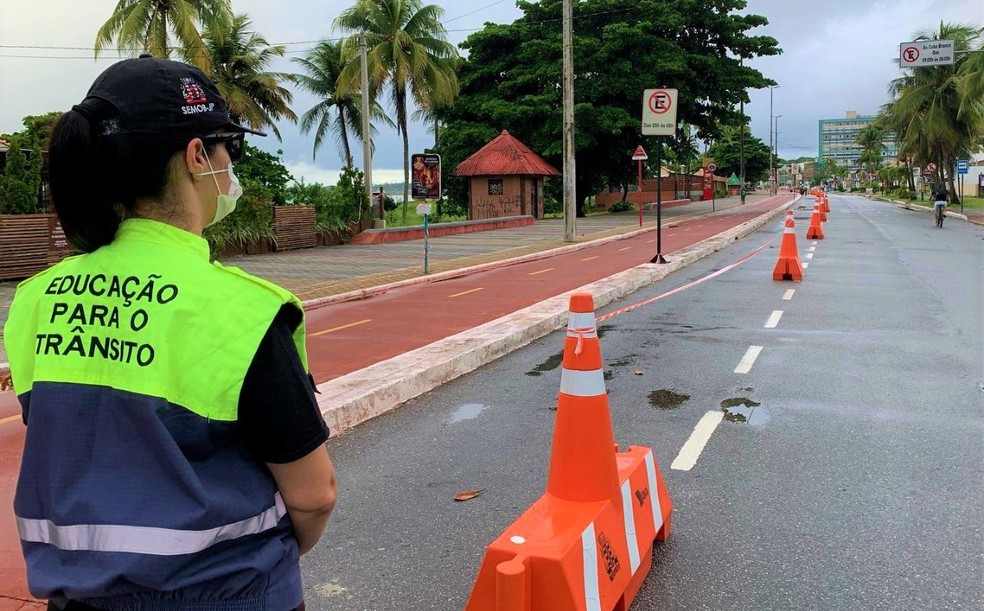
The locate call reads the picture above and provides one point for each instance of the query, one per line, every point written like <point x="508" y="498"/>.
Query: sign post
<point x="425" y="185"/>
<point x="424" y="210"/>
<point x="659" y="118"/>
<point x="921" y="53"/>
<point x="963" y="165"/>
<point x="639" y="156"/>
<point x="711" y="168"/>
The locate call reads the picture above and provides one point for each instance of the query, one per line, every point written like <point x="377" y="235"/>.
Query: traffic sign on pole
<point x="922" y="53"/>
<point x="930" y="168"/>
<point x="659" y="112"/>
<point x="712" y="167"/>
<point x="639" y="154"/>
<point x="962" y="166"/>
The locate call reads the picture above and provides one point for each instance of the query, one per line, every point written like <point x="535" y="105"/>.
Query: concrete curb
<point x="351" y="399"/>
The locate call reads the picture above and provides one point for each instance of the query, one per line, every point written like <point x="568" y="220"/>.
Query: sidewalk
<point x="319" y="273"/>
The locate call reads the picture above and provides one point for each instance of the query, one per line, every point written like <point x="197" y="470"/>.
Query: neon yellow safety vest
<point x="129" y="362"/>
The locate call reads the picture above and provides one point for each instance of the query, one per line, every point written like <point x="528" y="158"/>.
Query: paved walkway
<point x="322" y="272"/>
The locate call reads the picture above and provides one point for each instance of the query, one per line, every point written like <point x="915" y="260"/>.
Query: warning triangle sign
<point x="640" y="154"/>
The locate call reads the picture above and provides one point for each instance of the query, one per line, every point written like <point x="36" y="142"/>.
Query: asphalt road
<point x="848" y="475"/>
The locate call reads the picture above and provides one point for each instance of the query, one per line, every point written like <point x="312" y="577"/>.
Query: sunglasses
<point x="234" y="143"/>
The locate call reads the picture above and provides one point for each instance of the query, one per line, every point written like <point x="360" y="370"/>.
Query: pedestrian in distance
<point x="175" y="454"/>
<point x="940" y="196"/>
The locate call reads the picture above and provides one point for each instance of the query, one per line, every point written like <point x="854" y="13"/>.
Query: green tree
<point x="336" y="114"/>
<point x="827" y="170"/>
<point x="512" y="79"/>
<point x="938" y="118"/>
<point x="146" y="25"/>
<point x="37" y="130"/>
<point x="408" y="50"/>
<point x="20" y="181"/>
<point x="871" y="139"/>
<point x="240" y="61"/>
<point x="267" y="170"/>
<point x="726" y="152"/>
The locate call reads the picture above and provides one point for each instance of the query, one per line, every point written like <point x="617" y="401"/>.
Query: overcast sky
<point x="837" y="57"/>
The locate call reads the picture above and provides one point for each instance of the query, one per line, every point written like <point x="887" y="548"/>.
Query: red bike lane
<point x="350" y="336"/>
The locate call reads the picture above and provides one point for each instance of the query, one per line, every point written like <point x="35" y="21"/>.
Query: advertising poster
<point x="425" y="176"/>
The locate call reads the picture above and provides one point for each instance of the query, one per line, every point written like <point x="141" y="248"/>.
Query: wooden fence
<point x="30" y="243"/>
<point x="295" y="227"/>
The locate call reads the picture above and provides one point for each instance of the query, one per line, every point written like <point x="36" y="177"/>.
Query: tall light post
<point x="772" y="183"/>
<point x="775" y="150"/>
<point x="570" y="201"/>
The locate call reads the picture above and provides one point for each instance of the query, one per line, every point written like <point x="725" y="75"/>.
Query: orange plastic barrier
<point x="822" y="208"/>
<point x="788" y="267"/>
<point x="815" y="232"/>
<point x="587" y="543"/>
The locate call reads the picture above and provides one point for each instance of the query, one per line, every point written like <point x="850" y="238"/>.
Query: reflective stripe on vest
<point x="145" y="539"/>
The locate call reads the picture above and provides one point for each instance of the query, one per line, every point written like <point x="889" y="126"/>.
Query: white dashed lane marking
<point x="691" y="450"/>
<point x="748" y="360"/>
<point x="788" y="294"/>
<point x="774" y="319"/>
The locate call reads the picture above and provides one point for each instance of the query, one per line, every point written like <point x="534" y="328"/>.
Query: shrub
<point x="251" y="221"/>
<point x="20" y="182"/>
<point x="622" y="205"/>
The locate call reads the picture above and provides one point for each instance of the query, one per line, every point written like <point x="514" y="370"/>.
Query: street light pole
<point x="366" y="132"/>
<point x="772" y="176"/>
<point x="741" y="140"/>
<point x="775" y="150"/>
<point x="570" y="203"/>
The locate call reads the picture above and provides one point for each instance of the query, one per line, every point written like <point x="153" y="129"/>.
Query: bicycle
<point x="939" y="213"/>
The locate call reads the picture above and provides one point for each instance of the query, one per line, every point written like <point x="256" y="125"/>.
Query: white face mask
<point x="225" y="203"/>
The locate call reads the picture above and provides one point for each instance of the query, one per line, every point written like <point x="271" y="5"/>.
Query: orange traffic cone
<point x="790" y="221"/>
<point x="821" y="207"/>
<point x="815" y="232"/>
<point x="587" y="542"/>
<point x="788" y="267"/>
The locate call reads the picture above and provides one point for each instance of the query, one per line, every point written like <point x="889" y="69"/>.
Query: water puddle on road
<point x="554" y="361"/>
<point x="469" y="411"/>
<point x="666" y="399"/>
<point x="743" y="409"/>
<point x="548" y="365"/>
<point x="625" y="361"/>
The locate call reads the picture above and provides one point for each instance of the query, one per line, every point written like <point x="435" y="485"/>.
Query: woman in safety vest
<point x="175" y="454"/>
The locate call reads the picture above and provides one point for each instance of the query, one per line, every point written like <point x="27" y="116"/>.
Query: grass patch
<point x="394" y="218"/>
<point x="968" y="203"/>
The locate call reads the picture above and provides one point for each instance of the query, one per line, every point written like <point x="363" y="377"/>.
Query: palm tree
<point x="871" y="140"/>
<point x="941" y="124"/>
<point x="146" y="25"/>
<point x="239" y="61"/>
<point x="408" y="49"/>
<point x="335" y="114"/>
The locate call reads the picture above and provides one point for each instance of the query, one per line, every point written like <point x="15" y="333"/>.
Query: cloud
<point x="837" y="57"/>
<point x="311" y="173"/>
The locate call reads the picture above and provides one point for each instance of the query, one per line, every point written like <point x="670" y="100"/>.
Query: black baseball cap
<point x="157" y="97"/>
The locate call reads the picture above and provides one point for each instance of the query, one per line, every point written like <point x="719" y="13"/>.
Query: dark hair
<point x="95" y="179"/>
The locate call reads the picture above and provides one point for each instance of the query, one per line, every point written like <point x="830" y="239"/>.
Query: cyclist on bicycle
<point x="940" y="196"/>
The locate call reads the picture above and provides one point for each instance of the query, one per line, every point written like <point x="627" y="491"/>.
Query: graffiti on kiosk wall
<point x="495" y="207"/>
